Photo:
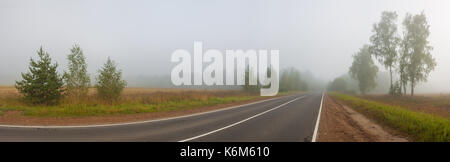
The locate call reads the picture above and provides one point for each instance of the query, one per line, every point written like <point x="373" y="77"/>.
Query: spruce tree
<point x="42" y="84"/>
<point x="109" y="83"/>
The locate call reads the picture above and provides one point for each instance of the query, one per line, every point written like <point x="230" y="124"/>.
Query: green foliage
<point x="42" y="84"/>
<point x="364" y="70"/>
<point x="290" y="80"/>
<point x="417" y="51"/>
<point x="157" y="102"/>
<point x="109" y="83"/>
<point x="415" y="61"/>
<point x="77" y="80"/>
<point x="129" y="108"/>
<point x="338" y="85"/>
<point x="269" y="74"/>
<point x="251" y="76"/>
<point x="420" y="126"/>
<point x="384" y="41"/>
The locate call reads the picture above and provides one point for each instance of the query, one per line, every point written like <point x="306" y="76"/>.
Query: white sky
<point x="315" y="35"/>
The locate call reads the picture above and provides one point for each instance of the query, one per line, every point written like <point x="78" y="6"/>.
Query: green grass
<point x="419" y="126"/>
<point x="80" y="110"/>
<point x="133" y="101"/>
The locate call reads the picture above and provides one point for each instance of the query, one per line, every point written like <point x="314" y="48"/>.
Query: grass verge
<point x="419" y="126"/>
<point x="80" y="110"/>
<point x="132" y="103"/>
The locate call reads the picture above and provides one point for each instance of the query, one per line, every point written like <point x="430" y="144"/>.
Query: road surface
<point x="285" y="119"/>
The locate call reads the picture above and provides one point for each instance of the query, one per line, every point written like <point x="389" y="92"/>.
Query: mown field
<point x="419" y="125"/>
<point x="132" y="101"/>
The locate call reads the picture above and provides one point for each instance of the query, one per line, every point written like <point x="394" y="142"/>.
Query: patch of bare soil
<point x="342" y="124"/>
<point x="17" y="117"/>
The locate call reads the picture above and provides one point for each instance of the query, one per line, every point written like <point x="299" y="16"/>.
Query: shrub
<point x="109" y="83"/>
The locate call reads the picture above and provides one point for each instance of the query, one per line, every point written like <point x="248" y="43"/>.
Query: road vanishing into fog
<point x="285" y="119"/>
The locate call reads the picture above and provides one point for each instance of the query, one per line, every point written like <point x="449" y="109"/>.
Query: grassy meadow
<point x="437" y="104"/>
<point x="132" y="101"/>
<point x="418" y="125"/>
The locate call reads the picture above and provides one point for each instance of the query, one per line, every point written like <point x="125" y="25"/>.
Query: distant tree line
<point x="42" y="85"/>
<point x="409" y="54"/>
<point x="340" y="84"/>
<point x="290" y="80"/>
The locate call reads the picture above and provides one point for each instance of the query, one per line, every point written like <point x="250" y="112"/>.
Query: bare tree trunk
<point x="404" y="89"/>
<point x="392" y="86"/>
<point x="412" y="87"/>
<point x="390" y="72"/>
<point x="401" y="85"/>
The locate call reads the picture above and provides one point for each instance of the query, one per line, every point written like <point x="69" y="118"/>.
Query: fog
<point x="318" y="36"/>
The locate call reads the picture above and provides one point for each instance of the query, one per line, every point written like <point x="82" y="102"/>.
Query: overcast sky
<point x="315" y="35"/>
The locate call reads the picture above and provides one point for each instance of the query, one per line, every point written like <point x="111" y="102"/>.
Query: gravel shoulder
<point x="339" y="123"/>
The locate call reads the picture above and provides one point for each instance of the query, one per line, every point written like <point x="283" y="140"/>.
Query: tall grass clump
<point x="420" y="126"/>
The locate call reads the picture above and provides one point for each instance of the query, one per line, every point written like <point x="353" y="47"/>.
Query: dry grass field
<point x="7" y="90"/>
<point x="132" y="101"/>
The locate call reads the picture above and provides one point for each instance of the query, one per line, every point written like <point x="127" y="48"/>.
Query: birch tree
<point x="384" y="42"/>
<point x="76" y="78"/>
<point x="421" y="62"/>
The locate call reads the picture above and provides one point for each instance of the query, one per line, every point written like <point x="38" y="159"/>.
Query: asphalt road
<point x="285" y="119"/>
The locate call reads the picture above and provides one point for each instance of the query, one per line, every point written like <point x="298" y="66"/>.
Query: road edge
<point x="316" y="129"/>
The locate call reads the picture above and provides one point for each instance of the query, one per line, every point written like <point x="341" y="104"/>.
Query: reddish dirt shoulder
<point x="339" y="123"/>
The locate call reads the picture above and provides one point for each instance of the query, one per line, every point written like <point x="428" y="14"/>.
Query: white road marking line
<point x="139" y="122"/>
<point x="217" y="130"/>
<point x="314" y="138"/>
